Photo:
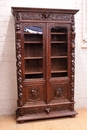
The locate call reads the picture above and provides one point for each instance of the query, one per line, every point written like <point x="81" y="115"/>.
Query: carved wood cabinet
<point x="45" y="53"/>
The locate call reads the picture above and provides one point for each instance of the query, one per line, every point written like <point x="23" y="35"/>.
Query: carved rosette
<point x="72" y="62"/>
<point x="19" y="65"/>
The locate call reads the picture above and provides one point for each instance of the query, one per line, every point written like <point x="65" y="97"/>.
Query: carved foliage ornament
<point x="45" y="16"/>
<point x="44" y="109"/>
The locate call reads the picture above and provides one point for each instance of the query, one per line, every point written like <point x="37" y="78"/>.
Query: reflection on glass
<point x="33" y="29"/>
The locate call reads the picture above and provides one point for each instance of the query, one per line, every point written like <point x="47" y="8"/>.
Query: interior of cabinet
<point x="59" y="51"/>
<point x="33" y="48"/>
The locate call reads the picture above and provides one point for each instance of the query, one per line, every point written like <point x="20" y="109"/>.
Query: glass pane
<point x="33" y="52"/>
<point x="59" y="58"/>
<point x="33" y="29"/>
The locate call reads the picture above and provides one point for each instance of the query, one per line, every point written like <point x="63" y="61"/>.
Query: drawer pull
<point x="47" y="110"/>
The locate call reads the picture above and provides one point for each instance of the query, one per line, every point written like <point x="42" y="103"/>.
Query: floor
<point x="68" y="123"/>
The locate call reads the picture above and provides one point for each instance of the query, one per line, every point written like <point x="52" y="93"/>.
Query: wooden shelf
<point x="59" y="33"/>
<point x="32" y="58"/>
<point x="58" y="41"/>
<point x="59" y="71"/>
<point x="54" y="57"/>
<point x="28" y="42"/>
<point x="33" y="73"/>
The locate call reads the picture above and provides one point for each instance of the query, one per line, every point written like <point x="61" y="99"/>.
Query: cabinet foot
<point x="72" y="116"/>
<point x="20" y="122"/>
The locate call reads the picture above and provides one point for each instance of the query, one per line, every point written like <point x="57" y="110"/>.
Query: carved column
<point x="19" y="65"/>
<point x="73" y="62"/>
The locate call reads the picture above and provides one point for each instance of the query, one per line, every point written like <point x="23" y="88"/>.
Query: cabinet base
<point x="64" y="113"/>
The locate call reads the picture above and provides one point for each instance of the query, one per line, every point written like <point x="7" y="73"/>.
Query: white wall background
<point x="8" y="87"/>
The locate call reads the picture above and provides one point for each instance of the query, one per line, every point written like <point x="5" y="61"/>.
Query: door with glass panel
<point x="59" y="67"/>
<point x="34" y="62"/>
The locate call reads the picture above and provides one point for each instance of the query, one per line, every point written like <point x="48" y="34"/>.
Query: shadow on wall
<point x="8" y="87"/>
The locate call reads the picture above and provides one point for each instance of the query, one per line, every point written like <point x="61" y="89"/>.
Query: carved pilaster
<point x="19" y="65"/>
<point x="72" y="60"/>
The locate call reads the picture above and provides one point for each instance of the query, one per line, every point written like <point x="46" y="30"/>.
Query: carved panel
<point x="34" y="93"/>
<point x="59" y="91"/>
<point x="45" y="16"/>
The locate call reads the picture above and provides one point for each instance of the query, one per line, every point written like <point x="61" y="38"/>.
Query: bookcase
<point x="45" y="53"/>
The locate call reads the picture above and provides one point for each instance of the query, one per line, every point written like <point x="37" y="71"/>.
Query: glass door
<point x="58" y="84"/>
<point x="34" y="55"/>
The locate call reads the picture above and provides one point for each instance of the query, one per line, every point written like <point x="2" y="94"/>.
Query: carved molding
<point x="45" y="16"/>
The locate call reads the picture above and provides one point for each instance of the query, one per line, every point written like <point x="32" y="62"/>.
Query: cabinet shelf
<point x="59" y="71"/>
<point x="26" y="73"/>
<point x="58" y="41"/>
<point x="28" y="42"/>
<point x="54" y="57"/>
<point x="59" y="33"/>
<point x="32" y="58"/>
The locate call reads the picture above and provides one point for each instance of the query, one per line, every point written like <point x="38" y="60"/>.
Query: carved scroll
<point x="19" y="65"/>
